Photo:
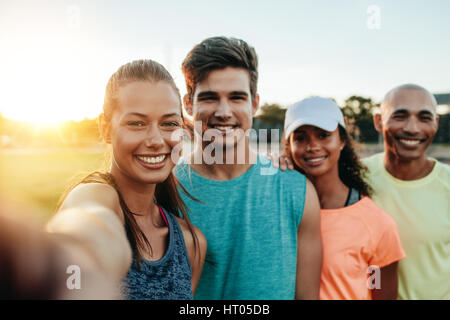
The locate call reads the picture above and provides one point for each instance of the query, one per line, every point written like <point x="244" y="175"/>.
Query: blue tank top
<point x="250" y="223"/>
<point x="166" y="279"/>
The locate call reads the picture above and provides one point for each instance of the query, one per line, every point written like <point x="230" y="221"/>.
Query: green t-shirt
<point x="421" y="209"/>
<point x="250" y="223"/>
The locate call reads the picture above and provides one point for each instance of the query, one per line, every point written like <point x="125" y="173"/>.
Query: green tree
<point x="443" y="133"/>
<point x="272" y="114"/>
<point x="359" y="113"/>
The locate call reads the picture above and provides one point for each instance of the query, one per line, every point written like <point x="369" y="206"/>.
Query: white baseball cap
<point x="315" y="111"/>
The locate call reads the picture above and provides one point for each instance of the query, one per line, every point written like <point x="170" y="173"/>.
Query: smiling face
<point x="223" y="104"/>
<point x="315" y="150"/>
<point x="146" y="115"/>
<point x="408" y="123"/>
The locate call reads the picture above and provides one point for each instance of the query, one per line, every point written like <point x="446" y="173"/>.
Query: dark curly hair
<point x="352" y="171"/>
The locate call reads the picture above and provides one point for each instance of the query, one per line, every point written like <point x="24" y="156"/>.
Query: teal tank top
<point x="250" y="223"/>
<point x="168" y="278"/>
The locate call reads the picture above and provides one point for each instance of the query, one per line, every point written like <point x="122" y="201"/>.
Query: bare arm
<point x="34" y="264"/>
<point x="389" y="283"/>
<point x="90" y="227"/>
<point x="309" y="244"/>
<point x="196" y="254"/>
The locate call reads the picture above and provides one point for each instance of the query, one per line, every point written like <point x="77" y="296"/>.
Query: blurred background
<point x="56" y="57"/>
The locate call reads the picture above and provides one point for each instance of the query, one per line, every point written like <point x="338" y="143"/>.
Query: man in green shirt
<point x="415" y="190"/>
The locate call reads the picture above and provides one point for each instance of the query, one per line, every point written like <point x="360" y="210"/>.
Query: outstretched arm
<point x="309" y="246"/>
<point x="36" y="265"/>
<point x="90" y="227"/>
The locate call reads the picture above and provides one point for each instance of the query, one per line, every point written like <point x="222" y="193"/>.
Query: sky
<point x="57" y="56"/>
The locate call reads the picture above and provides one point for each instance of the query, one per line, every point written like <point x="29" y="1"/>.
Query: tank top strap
<point x="353" y="197"/>
<point x="168" y="278"/>
<point x="163" y="215"/>
<point x="175" y="228"/>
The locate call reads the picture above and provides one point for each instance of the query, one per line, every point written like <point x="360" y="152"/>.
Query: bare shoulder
<point x="93" y="195"/>
<point x="309" y="186"/>
<point x="312" y="199"/>
<point x="188" y="238"/>
<point x="311" y="211"/>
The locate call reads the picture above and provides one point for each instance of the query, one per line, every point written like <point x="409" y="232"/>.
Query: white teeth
<point x="410" y="142"/>
<point x="224" y="128"/>
<point x="315" y="159"/>
<point x="152" y="159"/>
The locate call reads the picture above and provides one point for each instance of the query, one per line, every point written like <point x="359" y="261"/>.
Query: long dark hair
<point x="167" y="192"/>
<point x="351" y="170"/>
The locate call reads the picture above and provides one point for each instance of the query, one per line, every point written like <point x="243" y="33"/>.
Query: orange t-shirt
<point x="354" y="238"/>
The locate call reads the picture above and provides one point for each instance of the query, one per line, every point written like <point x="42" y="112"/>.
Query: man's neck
<point x="408" y="170"/>
<point x="230" y="164"/>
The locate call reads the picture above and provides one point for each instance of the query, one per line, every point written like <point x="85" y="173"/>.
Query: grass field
<point x="37" y="179"/>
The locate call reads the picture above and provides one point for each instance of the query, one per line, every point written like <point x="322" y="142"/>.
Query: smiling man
<point x="415" y="190"/>
<point x="262" y="225"/>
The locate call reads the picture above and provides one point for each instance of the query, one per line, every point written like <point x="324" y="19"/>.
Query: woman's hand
<point x="37" y="265"/>
<point x="283" y="161"/>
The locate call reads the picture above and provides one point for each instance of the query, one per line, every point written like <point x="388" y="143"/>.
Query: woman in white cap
<point x="361" y="243"/>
